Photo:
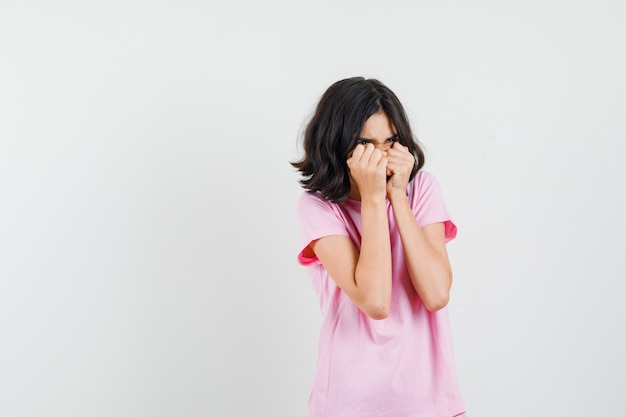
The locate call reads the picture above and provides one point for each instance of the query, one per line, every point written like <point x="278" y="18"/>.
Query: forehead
<point x="378" y="126"/>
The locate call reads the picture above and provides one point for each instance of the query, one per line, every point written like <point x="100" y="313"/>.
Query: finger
<point x="367" y="152"/>
<point x="401" y="156"/>
<point x="375" y="157"/>
<point x="396" y="158"/>
<point x="399" y="167"/>
<point x="357" y="152"/>
<point x="381" y="161"/>
<point x="388" y="167"/>
<point x="399" y="146"/>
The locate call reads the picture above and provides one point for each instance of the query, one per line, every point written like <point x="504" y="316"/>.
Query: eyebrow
<point x="394" y="137"/>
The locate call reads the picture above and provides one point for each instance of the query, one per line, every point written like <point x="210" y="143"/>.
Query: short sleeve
<point x="316" y="218"/>
<point x="428" y="205"/>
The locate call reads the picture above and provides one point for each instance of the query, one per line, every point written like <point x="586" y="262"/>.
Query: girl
<point x="374" y="229"/>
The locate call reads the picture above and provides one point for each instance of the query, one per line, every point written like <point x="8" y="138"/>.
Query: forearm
<point x="373" y="269"/>
<point x="428" y="267"/>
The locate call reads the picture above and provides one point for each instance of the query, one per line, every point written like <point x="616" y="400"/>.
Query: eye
<point x="363" y="142"/>
<point x="393" y="139"/>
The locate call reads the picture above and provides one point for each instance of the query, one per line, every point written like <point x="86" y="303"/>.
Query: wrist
<point x="374" y="199"/>
<point x="397" y="196"/>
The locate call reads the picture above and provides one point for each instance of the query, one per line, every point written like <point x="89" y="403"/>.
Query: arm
<point x="424" y="247"/>
<point x="365" y="277"/>
<point x="426" y="256"/>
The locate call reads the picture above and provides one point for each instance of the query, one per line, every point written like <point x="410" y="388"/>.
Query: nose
<point x="383" y="147"/>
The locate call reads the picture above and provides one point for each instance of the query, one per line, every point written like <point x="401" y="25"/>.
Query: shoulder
<point x="317" y="217"/>
<point x="309" y="198"/>
<point x="425" y="177"/>
<point x="422" y="182"/>
<point x="428" y="204"/>
<point x="312" y="204"/>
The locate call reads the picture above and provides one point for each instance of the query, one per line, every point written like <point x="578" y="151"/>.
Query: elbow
<point x="436" y="299"/>
<point x="438" y="296"/>
<point x="378" y="313"/>
<point x="434" y="304"/>
<point x="376" y="309"/>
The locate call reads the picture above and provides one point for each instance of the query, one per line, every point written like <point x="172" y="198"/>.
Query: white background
<point x="147" y="230"/>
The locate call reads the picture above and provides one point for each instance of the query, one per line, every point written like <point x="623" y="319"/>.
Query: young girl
<point x="374" y="229"/>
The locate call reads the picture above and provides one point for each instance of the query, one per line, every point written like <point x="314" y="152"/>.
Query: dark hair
<point x="334" y="130"/>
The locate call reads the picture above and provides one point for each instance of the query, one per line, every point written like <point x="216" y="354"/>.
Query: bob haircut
<point x="334" y="130"/>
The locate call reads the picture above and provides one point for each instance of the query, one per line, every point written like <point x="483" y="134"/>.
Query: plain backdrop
<point x="147" y="227"/>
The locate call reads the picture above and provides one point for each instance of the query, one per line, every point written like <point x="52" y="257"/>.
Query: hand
<point x="399" y="167"/>
<point x="368" y="167"/>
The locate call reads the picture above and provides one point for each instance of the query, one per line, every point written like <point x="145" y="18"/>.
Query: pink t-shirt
<point x="402" y="366"/>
